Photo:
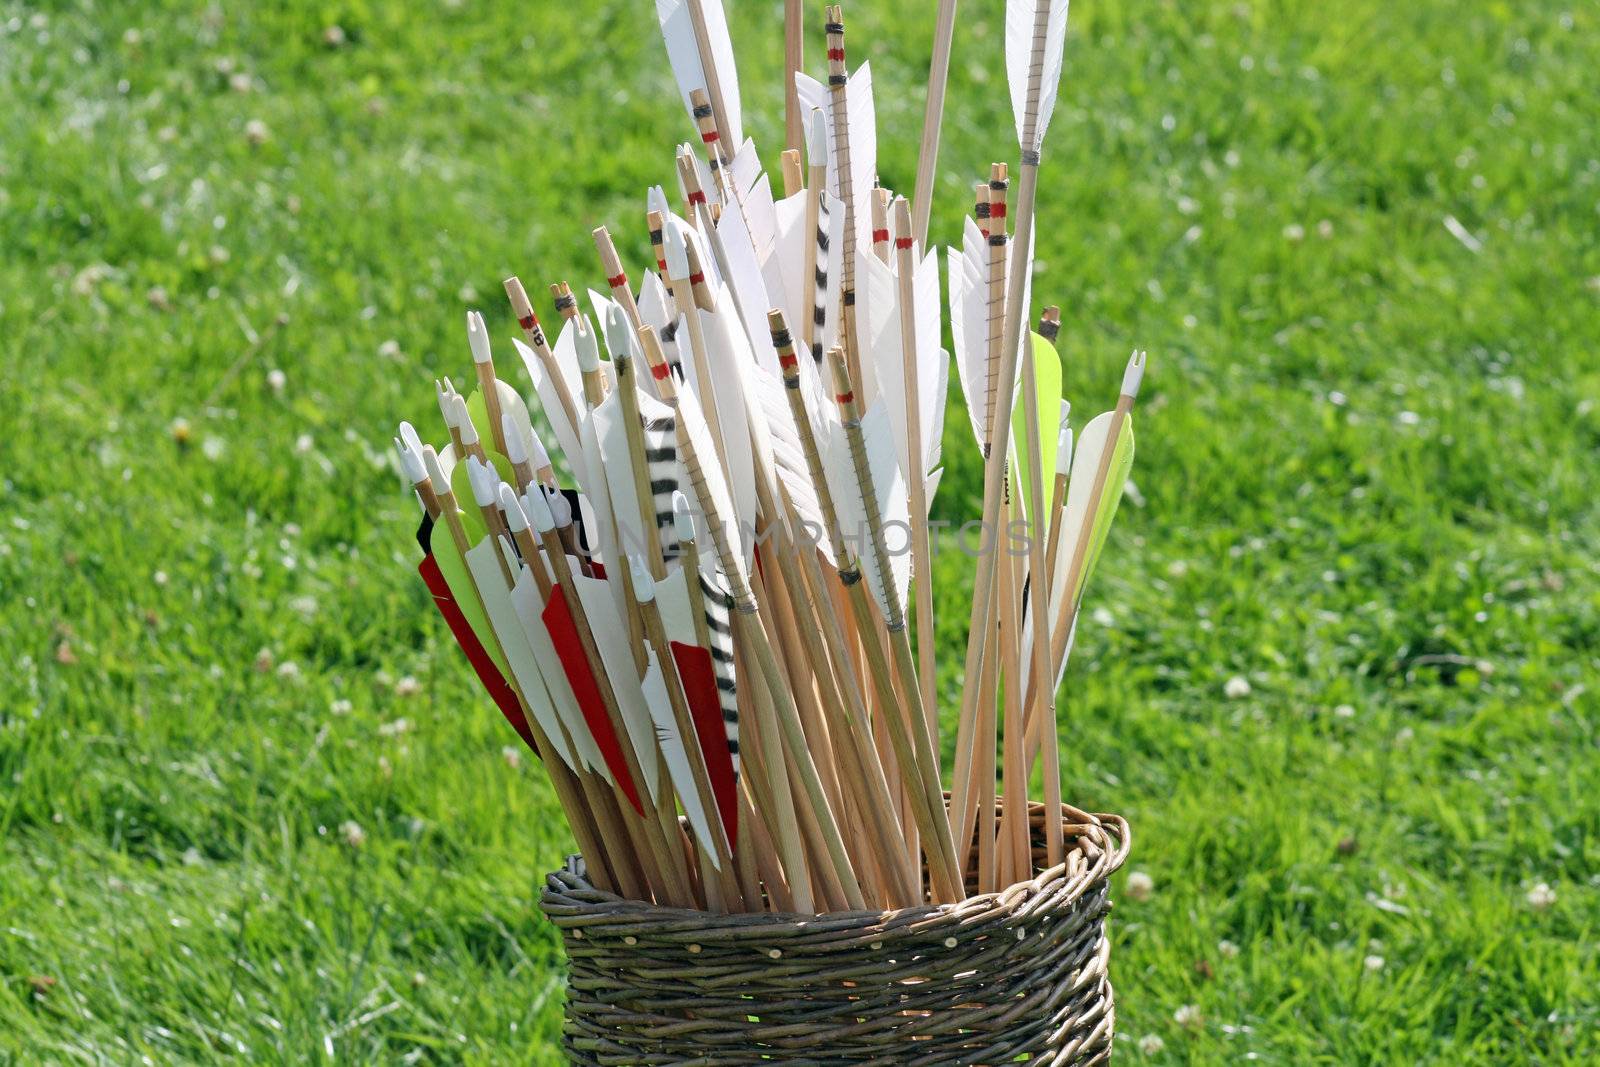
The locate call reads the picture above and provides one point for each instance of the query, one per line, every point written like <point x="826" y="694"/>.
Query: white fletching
<point x="644" y="586"/>
<point x="477" y="337"/>
<point x="1036" y="32"/>
<point x="537" y="455"/>
<point x="516" y="445"/>
<point x="682" y="516"/>
<point x="1133" y="375"/>
<point x="656" y="200"/>
<point x="514" y="514"/>
<point x="588" y="346"/>
<point x="683" y="51"/>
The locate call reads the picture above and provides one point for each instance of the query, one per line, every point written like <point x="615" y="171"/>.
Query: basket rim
<point x="1104" y="862"/>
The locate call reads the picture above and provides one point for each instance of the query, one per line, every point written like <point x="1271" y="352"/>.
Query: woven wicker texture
<point x="1020" y="974"/>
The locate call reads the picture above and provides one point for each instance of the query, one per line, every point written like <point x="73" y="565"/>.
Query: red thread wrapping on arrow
<point x="557" y="617"/>
<point x="499" y="690"/>
<point x="705" y="705"/>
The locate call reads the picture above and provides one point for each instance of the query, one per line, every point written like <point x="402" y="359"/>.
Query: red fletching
<point x="569" y="649"/>
<point x="500" y="691"/>
<point x="705" y="705"/>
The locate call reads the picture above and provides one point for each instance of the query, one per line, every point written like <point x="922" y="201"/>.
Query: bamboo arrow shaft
<point x="708" y="64"/>
<point x="995" y="466"/>
<point x="916" y="473"/>
<point x="932" y="117"/>
<point x="1039" y="612"/>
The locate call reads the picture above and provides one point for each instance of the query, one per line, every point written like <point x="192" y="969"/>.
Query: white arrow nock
<point x="430" y="461"/>
<point x="677" y="249"/>
<point x="560" y="507"/>
<point x="411" y="462"/>
<point x="514" y="514"/>
<point x="682" y="516"/>
<point x="463" y="421"/>
<point x="588" y="346"/>
<point x="483" y="480"/>
<point x="1134" y="374"/>
<point x="619" y="333"/>
<point x="477" y="337"/>
<point x="538" y="511"/>
<point x="817" y="139"/>
<point x="644" y="586"/>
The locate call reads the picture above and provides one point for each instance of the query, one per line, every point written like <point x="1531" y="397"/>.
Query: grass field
<point x="252" y="805"/>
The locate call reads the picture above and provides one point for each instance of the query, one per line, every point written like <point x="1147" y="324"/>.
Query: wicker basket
<point x="1019" y="974"/>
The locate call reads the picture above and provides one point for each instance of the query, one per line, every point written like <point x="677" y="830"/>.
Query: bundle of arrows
<point x="701" y="590"/>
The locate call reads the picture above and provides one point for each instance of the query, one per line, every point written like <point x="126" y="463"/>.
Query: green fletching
<point x="1047" y="379"/>
<point x="457" y="577"/>
<point x="461" y="486"/>
<point x="478" y="412"/>
<point x="1116" y="479"/>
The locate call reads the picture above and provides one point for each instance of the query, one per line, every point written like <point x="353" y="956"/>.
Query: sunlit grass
<point x="1366" y="485"/>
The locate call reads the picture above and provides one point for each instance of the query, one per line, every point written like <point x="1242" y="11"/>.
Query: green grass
<point x="1366" y="484"/>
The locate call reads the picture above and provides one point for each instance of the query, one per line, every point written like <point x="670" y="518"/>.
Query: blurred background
<point x="1342" y="676"/>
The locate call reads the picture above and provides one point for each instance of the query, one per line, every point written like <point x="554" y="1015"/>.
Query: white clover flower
<point x="276" y="380"/>
<point x="512" y="757"/>
<point x="1227" y="949"/>
<point x="1236" y="688"/>
<point x="1140" y="886"/>
<point x="1188" y="1016"/>
<point x="1541" y="896"/>
<point x="407" y="687"/>
<point x="1373" y="963"/>
<point x="353" y="834"/>
<point x="1150" y="1044"/>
